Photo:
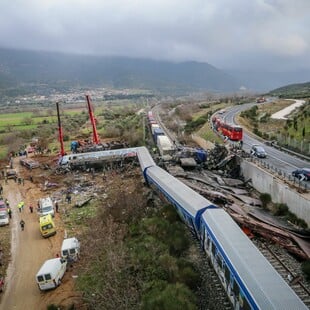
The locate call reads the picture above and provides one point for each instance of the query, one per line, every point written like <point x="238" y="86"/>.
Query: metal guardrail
<point x="303" y="185"/>
<point x="281" y="148"/>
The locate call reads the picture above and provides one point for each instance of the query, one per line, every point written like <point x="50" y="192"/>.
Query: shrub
<point x="295" y="220"/>
<point x="305" y="267"/>
<point x="164" y="296"/>
<point x="280" y="209"/>
<point x="265" y="199"/>
<point x="188" y="274"/>
<point x="196" y="124"/>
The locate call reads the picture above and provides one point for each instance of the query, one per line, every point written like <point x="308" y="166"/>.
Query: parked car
<point x="302" y="174"/>
<point x="3" y="206"/>
<point x="4" y="218"/>
<point x="11" y="173"/>
<point x="258" y="151"/>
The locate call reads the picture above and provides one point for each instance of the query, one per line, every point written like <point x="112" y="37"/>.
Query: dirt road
<point x="29" y="251"/>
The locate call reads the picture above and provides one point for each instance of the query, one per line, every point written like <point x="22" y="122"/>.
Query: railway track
<point x="283" y="264"/>
<point x="212" y="293"/>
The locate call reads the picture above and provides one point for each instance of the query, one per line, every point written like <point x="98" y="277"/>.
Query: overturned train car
<point x="248" y="278"/>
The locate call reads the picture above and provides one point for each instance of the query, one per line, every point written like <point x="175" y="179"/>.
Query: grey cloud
<point x="239" y="33"/>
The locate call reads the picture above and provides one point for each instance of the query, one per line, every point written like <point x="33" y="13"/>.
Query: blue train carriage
<point x="248" y="278"/>
<point x="189" y="204"/>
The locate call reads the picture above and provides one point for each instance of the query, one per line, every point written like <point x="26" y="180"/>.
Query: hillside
<point x="301" y="90"/>
<point x="20" y="67"/>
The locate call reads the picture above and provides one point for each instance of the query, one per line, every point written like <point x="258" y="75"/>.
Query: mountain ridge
<point x="18" y="67"/>
<point x="296" y="90"/>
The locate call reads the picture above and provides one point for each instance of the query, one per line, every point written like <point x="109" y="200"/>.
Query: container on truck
<point x="165" y="146"/>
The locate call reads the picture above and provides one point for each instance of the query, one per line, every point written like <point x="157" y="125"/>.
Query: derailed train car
<point x="248" y="278"/>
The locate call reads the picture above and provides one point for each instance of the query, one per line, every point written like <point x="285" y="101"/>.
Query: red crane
<point x="62" y="150"/>
<point x="96" y="139"/>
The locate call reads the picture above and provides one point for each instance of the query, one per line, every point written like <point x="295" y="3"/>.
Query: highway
<point x="278" y="159"/>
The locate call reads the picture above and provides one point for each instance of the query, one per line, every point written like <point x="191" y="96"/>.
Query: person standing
<point x="31" y="209"/>
<point x="22" y="224"/>
<point x="9" y="212"/>
<point x="1" y="256"/>
<point x="68" y="198"/>
<point x="1" y="189"/>
<point x="56" y="207"/>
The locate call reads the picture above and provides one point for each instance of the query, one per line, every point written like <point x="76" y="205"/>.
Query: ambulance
<point x="47" y="226"/>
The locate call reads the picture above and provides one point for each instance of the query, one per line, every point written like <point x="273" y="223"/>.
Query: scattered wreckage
<point x="221" y="186"/>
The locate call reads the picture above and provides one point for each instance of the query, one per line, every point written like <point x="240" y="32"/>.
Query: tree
<point x="27" y="121"/>
<point x="166" y="296"/>
<point x="295" y="124"/>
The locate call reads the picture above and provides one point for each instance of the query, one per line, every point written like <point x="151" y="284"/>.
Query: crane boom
<point x="62" y="149"/>
<point x="93" y="121"/>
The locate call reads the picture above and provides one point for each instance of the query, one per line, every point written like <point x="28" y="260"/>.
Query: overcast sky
<point x="246" y="34"/>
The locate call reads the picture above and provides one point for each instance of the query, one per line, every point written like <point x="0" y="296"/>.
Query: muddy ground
<point x="28" y="249"/>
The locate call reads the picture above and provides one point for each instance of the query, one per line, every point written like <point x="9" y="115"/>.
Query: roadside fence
<point x="302" y="185"/>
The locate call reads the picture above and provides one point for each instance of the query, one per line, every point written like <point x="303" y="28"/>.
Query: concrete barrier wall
<point x="265" y="182"/>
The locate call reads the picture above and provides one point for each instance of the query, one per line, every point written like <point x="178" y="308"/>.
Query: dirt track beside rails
<point x="29" y="251"/>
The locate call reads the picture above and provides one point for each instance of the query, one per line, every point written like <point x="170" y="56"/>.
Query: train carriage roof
<point x="190" y="200"/>
<point x="145" y="158"/>
<point x="260" y="278"/>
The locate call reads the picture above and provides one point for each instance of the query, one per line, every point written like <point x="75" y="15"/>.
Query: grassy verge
<point x="134" y="253"/>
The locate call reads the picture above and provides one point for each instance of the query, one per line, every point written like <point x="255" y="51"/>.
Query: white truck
<point x="70" y="249"/>
<point x="46" y="206"/>
<point x="50" y="274"/>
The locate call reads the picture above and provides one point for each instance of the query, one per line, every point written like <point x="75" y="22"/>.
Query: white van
<point x="70" y="249"/>
<point x="4" y="218"/>
<point x="50" y="274"/>
<point x="46" y="207"/>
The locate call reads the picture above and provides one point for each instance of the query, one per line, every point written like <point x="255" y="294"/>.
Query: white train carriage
<point x="188" y="203"/>
<point x="249" y="279"/>
<point x="145" y="158"/>
<point x="101" y="155"/>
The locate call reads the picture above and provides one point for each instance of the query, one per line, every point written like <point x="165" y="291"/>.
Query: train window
<point x="219" y="260"/>
<point x="227" y="273"/>
<point x="236" y="288"/>
<point x="203" y="236"/>
<point x="208" y="241"/>
<point x="180" y="214"/>
<point x="191" y="222"/>
<point x="213" y="249"/>
<point x="246" y="305"/>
